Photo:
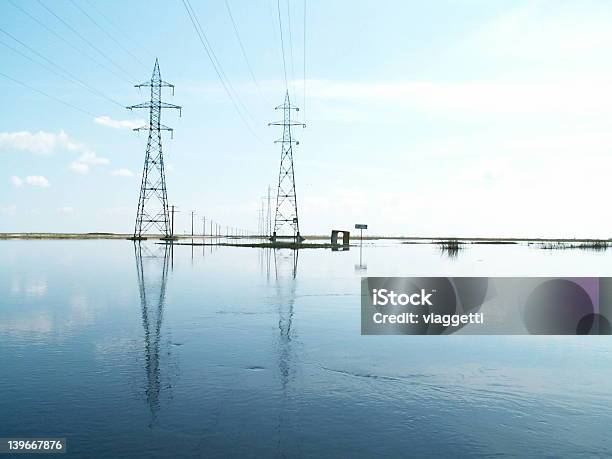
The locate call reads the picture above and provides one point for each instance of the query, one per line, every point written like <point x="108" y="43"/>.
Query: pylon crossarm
<point x="161" y="128"/>
<point x="155" y="106"/>
<point x="143" y="105"/>
<point x="167" y="105"/>
<point x="154" y="83"/>
<point x="291" y="141"/>
<point x="286" y="123"/>
<point x="286" y="106"/>
<point x="167" y="85"/>
<point x="160" y="83"/>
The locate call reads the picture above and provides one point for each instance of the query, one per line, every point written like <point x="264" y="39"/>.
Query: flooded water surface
<point x="143" y="351"/>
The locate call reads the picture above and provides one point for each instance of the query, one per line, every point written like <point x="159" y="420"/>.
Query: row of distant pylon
<point x="209" y="227"/>
<point x="153" y="213"/>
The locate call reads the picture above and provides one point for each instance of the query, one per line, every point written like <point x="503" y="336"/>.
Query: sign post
<point x="361" y="227"/>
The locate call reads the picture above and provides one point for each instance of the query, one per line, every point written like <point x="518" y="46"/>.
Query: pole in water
<point x="361" y="227"/>
<point x="360" y="243"/>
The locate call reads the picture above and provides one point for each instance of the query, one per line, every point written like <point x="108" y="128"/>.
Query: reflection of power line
<point x="281" y="263"/>
<point x="285" y="268"/>
<point x="152" y="303"/>
<point x="264" y="262"/>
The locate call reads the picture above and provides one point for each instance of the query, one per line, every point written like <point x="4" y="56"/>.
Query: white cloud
<point x="119" y="124"/>
<point x="48" y="143"/>
<point x="79" y="168"/>
<point x="92" y="159"/>
<point x="8" y="210"/>
<point x="32" y="180"/>
<point x="37" y="181"/>
<point x="122" y="173"/>
<point x="545" y="60"/>
<point x="36" y="288"/>
<point x="39" y="142"/>
<point x="66" y="210"/>
<point x="571" y="97"/>
<point x="546" y="32"/>
<point x="16" y="181"/>
<point x="121" y="211"/>
<point x="87" y="160"/>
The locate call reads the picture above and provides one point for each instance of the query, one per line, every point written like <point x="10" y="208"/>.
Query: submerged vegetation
<point x="595" y="245"/>
<point x="450" y="247"/>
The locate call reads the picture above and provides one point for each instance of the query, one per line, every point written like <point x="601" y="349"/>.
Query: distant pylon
<point x="152" y="210"/>
<point x="286" y="215"/>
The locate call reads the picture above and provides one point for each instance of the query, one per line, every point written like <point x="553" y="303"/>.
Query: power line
<point x="244" y="54"/>
<point x="215" y="64"/>
<point x="50" y="69"/>
<point x="69" y="43"/>
<point x="118" y="43"/>
<point x="119" y="29"/>
<point x="218" y="63"/>
<point x="280" y="25"/>
<point x="86" y="40"/>
<point x="290" y="40"/>
<point x="68" y="104"/>
<point x="304" y="66"/>
<point x="66" y="73"/>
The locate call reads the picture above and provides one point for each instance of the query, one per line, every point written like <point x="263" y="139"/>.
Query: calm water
<point x="241" y="352"/>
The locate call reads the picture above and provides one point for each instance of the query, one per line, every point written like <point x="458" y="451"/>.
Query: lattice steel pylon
<point x="152" y="210"/>
<point x="286" y="215"/>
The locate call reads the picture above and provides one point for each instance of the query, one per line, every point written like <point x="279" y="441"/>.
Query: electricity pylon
<point x="152" y="210"/>
<point x="286" y="214"/>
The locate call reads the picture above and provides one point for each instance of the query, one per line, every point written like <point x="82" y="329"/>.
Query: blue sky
<point x="423" y="118"/>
